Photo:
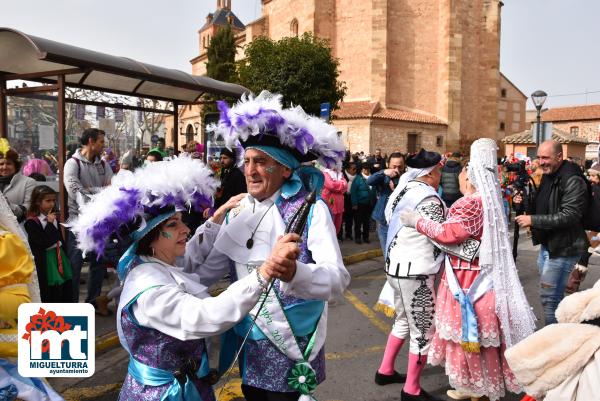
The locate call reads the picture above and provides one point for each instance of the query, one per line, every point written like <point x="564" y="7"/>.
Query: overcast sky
<point x="546" y="44"/>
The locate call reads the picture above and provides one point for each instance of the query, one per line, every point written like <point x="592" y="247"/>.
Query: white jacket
<point x="18" y="194"/>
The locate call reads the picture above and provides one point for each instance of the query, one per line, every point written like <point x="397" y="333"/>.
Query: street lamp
<point x="196" y="126"/>
<point x="538" y="98"/>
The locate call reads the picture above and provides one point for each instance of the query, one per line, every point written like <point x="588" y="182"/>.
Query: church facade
<point x="419" y="73"/>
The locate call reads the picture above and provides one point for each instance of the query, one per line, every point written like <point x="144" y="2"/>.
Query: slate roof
<point x="219" y="17"/>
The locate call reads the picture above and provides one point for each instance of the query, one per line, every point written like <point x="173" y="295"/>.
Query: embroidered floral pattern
<point x="157" y="349"/>
<point x="422" y="311"/>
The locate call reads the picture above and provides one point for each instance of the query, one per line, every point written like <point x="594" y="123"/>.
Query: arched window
<point x="294" y="28"/>
<point x="189" y="133"/>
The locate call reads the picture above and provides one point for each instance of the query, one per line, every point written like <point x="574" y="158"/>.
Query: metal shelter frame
<point x="58" y="66"/>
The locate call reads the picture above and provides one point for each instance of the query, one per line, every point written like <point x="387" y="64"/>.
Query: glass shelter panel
<point x="33" y="133"/>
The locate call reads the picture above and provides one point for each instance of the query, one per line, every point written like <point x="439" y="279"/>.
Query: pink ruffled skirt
<point x="479" y="374"/>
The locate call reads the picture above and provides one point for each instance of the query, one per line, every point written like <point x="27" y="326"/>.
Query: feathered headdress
<point x="263" y="120"/>
<point x="135" y="198"/>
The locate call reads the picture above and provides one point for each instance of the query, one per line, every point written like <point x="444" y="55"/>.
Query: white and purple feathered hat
<point x="137" y="202"/>
<point x="261" y="121"/>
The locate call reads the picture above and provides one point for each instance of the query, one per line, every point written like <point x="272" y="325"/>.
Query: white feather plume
<point x="251" y="115"/>
<point x="153" y="186"/>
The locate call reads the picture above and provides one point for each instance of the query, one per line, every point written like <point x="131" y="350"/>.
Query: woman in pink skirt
<point x="333" y="194"/>
<point x="480" y="292"/>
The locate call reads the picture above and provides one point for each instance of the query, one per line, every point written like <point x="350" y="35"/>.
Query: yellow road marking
<point x="231" y="391"/>
<point x="369" y="314"/>
<point x="337" y="356"/>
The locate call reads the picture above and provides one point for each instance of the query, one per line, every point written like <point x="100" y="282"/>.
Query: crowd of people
<point x="270" y="216"/>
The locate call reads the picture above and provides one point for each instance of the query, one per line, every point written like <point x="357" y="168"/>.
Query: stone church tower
<point x="419" y="72"/>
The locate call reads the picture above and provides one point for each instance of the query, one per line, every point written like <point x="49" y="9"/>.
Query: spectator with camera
<point x="384" y="181"/>
<point x="556" y="223"/>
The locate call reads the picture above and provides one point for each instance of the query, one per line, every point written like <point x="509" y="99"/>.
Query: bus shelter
<point x="56" y="68"/>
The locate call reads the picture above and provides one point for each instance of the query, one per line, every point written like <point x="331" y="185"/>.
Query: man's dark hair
<point x="156" y="155"/>
<point x="90" y="133"/>
<point x="395" y="155"/>
<point x="160" y="140"/>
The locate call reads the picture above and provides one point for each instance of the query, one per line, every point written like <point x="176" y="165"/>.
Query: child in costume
<point x="46" y="242"/>
<point x="164" y="315"/>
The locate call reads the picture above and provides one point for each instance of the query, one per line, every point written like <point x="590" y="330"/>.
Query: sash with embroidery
<point x="481" y="285"/>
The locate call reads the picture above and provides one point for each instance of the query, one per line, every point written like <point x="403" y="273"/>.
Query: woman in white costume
<point x="164" y="315"/>
<point x="480" y="308"/>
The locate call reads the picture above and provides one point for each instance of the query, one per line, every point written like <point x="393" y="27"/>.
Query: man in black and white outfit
<point x="411" y="264"/>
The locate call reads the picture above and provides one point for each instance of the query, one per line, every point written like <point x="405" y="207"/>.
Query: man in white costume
<point x="411" y="263"/>
<point x="283" y="357"/>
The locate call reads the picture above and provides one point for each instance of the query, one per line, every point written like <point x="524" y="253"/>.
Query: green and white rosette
<point x="303" y="377"/>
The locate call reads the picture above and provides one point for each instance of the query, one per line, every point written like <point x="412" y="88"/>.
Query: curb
<point x="106" y="342"/>
<point x="111" y="339"/>
<point x="362" y="256"/>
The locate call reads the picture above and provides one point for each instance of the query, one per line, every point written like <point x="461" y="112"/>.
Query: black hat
<point x="423" y="159"/>
<point x="228" y="152"/>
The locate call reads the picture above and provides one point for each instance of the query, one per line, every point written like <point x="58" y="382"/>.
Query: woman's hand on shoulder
<point x="221" y="212"/>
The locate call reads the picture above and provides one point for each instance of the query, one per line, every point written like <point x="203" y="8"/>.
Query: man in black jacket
<point x="449" y="181"/>
<point x="233" y="181"/>
<point x="556" y="223"/>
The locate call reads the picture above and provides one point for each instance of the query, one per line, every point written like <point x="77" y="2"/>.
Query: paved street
<point x="355" y="342"/>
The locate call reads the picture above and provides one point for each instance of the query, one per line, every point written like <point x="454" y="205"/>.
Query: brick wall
<point x="511" y="109"/>
<point x="355" y="133"/>
<point x="352" y="45"/>
<point x="392" y="136"/>
<point x="589" y="130"/>
<point x="413" y="50"/>
<point x="389" y="135"/>
<point x="282" y="12"/>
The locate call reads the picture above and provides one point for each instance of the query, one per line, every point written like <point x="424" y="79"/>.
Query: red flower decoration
<point x="44" y="321"/>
